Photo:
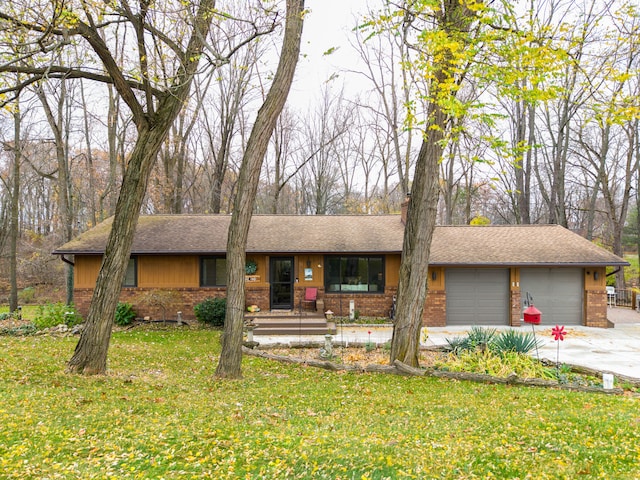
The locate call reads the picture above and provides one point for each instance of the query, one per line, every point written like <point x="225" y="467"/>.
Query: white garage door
<point x="477" y="296"/>
<point x="557" y="293"/>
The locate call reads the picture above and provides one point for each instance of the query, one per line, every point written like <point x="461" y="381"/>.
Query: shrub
<point x="125" y="314"/>
<point x="496" y="365"/>
<point x="512" y="341"/>
<point x="212" y="311"/>
<point x="54" y="314"/>
<point x="27" y="295"/>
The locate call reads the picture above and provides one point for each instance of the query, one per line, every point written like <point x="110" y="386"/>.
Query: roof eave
<point x="530" y="264"/>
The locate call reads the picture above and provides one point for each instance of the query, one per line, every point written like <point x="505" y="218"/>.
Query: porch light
<point x="433" y="275"/>
<point x="596" y="275"/>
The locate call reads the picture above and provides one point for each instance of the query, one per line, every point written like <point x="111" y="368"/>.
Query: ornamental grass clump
<point x="480" y="338"/>
<point x="512" y="341"/>
<point x="477" y="338"/>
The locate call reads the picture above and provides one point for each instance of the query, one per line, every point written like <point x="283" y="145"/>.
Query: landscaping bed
<point x="483" y="356"/>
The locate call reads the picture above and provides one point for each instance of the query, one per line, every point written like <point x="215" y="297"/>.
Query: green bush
<point x="125" y="314"/>
<point x="27" y="295"/>
<point x="54" y="314"/>
<point x="502" y="365"/>
<point x="212" y="311"/>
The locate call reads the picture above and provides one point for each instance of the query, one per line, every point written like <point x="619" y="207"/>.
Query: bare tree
<point x="169" y="47"/>
<point x="229" y="365"/>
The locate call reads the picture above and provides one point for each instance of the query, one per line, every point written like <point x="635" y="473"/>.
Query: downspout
<point x="66" y="260"/>
<point x="614" y="272"/>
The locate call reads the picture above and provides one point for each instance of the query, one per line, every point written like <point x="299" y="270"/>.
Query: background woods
<point x="560" y="146"/>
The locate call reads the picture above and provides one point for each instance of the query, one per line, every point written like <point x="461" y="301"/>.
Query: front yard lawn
<point x="160" y="414"/>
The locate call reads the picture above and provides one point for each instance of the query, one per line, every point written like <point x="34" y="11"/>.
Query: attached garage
<point x="477" y="296"/>
<point x="556" y="292"/>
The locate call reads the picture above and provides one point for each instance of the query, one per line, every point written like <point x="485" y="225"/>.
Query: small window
<point x="131" y="277"/>
<point x="213" y="272"/>
<point x="354" y="274"/>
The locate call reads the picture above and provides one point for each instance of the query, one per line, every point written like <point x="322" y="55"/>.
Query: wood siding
<point x="316" y="264"/>
<point x="170" y="271"/>
<point x="392" y="270"/>
<point x="86" y="270"/>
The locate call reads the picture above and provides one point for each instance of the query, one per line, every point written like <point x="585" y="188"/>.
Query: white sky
<point x="328" y="25"/>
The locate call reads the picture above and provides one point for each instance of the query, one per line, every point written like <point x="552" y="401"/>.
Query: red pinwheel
<point x="558" y="332"/>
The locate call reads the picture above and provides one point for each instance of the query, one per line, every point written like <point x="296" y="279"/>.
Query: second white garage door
<point x="557" y="293"/>
<point x="477" y="296"/>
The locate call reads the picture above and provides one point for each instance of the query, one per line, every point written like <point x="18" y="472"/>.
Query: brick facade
<point x="373" y="305"/>
<point x="368" y="304"/>
<point x="595" y="308"/>
<point x="435" y="309"/>
<point x="180" y="300"/>
<point x="516" y="308"/>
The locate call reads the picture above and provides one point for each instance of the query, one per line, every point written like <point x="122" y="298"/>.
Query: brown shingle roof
<point x="516" y="245"/>
<point x="288" y="234"/>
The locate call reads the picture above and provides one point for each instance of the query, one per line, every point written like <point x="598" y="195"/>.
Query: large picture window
<point x="131" y="277"/>
<point x="354" y="274"/>
<point x="213" y="271"/>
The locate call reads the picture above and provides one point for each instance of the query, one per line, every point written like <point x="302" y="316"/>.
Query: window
<point x="131" y="276"/>
<point x="354" y="274"/>
<point x="213" y="271"/>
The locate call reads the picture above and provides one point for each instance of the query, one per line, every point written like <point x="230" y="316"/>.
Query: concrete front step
<point x="290" y="325"/>
<point x="304" y="330"/>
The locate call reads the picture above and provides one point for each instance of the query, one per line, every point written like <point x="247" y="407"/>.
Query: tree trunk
<point x="453" y="20"/>
<point x="414" y="266"/>
<point x="229" y="365"/>
<point x="90" y="356"/>
<point x="15" y="210"/>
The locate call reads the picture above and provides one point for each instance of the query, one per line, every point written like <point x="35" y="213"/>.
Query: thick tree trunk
<point x="454" y="19"/>
<point x="90" y="355"/>
<point x="414" y="266"/>
<point x="229" y="365"/>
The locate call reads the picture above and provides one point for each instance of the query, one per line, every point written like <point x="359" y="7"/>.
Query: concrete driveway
<point x="615" y="350"/>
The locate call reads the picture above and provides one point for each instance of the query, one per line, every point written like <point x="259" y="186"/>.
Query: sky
<point x="328" y="25"/>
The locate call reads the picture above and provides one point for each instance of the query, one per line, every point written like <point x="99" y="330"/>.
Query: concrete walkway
<point x="614" y="350"/>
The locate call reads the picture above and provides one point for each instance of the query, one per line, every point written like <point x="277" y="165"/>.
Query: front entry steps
<point x="285" y="322"/>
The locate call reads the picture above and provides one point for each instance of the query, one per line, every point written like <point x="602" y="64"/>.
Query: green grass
<point x="159" y="413"/>
<point x="29" y="312"/>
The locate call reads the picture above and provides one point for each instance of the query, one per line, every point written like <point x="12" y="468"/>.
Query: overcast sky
<point x="328" y="25"/>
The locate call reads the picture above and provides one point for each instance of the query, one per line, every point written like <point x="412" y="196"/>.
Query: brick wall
<point x="180" y="299"/>
<point x="367" y="305"/>
<point x="258" y="296"/>
<point x="435" y="309"/>
<point x="595" y="308"/>
<point x="516" y="308"/>
<point x="371" y="305"/>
